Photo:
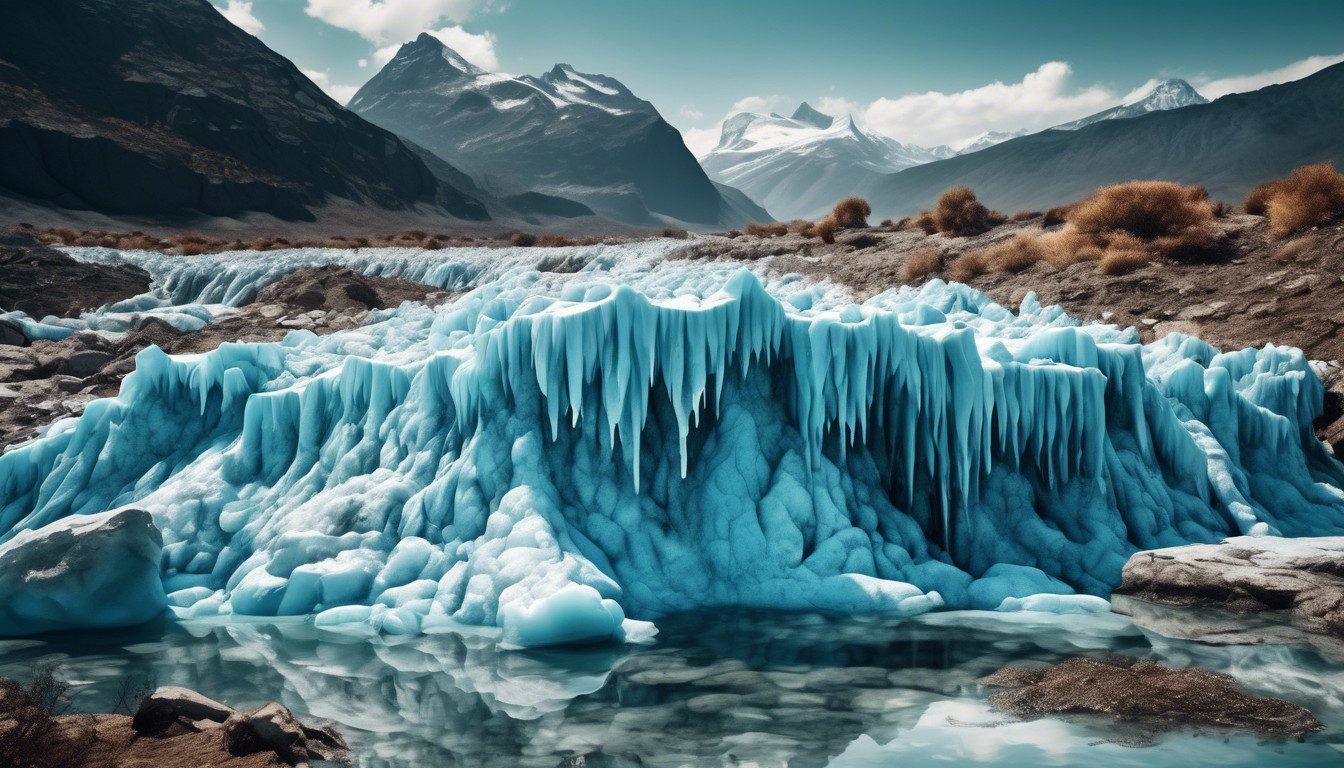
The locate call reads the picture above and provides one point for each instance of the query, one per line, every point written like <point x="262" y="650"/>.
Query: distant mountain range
<point x="799" y="166"/>
<point x="579" y="136"/>
<point x="163" y="108"/>
<point x="1228" y="145"/>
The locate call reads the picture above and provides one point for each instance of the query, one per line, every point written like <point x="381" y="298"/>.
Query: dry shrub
<point x="773" y="229"/>
<point x="1193" y="244"/>
<point x="64" y="235"/>
<point x="1221" y="210"/>
<point x="1069" y="246"/>
<point x="1118" y="261"/>
<point x="523" y="240"/>
<point x="1309" y="196"/>
<point x="673" y="233"/>
<point x="1027" y="215"/>
<point x="1148" y="209"/>
<point x="904" y="223"/>
<point x="194" y="249"/>
<point x="888" y="224"/>
<point x="922" y="263"/>
<point x="432" y="244"/>
<point x="30" y="735"/>
<point x="959" y="214"/>
<point x="926" y="222"/>
<point x="826" y="229"/>
<point x="1056" y="216"/>
<point x="553" y="241"/>
<point x="137" y="241"/>
<point x="261" y="244"/>
<point x="1295" y="249"/>
<point x="361" y="242"/>
<point x="797" y="225"/>
<point x="1014" y="255"/>
<point x="414" y="234"/>
<point x="968" y="266"/>
<point x="86" y="240"/>
<point x="732" y="234"/>
<point x="852" y="212"/>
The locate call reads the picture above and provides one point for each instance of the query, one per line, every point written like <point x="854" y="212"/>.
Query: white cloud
<point x="702" y="140"/>
<point x="322" y="79"/>
<point x="690" y="112"/>
<point x="239" y="13"/>
<point x="389" y="21"/>
<point x="1296" y="71"/>
<point x="1041" y="99"/>
<point x="1141" y="91"/>
<point x="363" y="63"/>
<point x="477" y="49"/>
<point x="838" y="106"/>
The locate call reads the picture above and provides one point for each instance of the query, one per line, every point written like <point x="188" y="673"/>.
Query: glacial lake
<point x="715" y="689"/>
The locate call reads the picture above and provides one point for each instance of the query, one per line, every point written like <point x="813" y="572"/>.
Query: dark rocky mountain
<point x="163" y="108"/>
<point x="1228" y="145"/>
<point x="578" y="136"/>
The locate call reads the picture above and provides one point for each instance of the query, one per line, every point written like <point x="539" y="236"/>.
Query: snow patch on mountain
<point x="1168" y="94"/>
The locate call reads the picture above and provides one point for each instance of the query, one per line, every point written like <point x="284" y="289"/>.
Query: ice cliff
<point x="560" y="455"/>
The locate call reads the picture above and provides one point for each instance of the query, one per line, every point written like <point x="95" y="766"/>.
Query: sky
<point x="923" y="72"/>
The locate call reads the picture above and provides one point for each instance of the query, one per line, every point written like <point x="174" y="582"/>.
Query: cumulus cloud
<point x="702" y="140"/>
<point x="1212" y="89"/>
<point x="389" y="21"/>
<point x="239" y="14"/>
<point x="690" y="112"/>
<point x="1041" y="99"/>
<point x="477" y="49"/>
<point x="322" y="79"/>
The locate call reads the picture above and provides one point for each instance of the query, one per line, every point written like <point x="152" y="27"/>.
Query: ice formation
<point x="568" y="456"/>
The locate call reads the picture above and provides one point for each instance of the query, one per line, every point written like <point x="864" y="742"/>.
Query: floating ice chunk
<point x="1051" y="603"/>
<point x="576" y="613"/>
<point x="81" y="572"/>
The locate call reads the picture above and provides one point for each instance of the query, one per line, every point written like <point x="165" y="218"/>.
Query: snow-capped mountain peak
<point x="806" y="115"/>
<point x="1168" y="94"/>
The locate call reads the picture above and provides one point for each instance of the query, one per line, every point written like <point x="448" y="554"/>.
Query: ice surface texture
<point x="552" y="454"/>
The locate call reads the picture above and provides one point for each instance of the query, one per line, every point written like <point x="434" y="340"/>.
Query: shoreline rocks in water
<point x="172" y="728"/>
<point x="1145" y="693"/>
<point x="1247" y="574"/>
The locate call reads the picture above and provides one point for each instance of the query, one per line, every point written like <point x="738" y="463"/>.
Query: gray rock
<point x="1304" y="577"/>
<point x="12" y="334"/>
<point x="170" y="704"/>
<point x="86" y="362"/>
<point x="68" y="384"/>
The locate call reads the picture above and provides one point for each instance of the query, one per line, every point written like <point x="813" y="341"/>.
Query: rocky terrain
<point x="1144" y="693"/>
<point x="172" y="727"/>
<point x="47" y="380"/>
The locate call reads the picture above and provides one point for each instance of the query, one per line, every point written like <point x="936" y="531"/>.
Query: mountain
<point x="981" y="141"/>
<point x="1168" y="94"/>
<point x="799" y="166"/>
<point x="164" y="108"/>
<point x="579" y="136"/>
<point x="1228" y="145"/>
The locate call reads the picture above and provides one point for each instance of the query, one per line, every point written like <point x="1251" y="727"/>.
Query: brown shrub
<point x="1055" y="216"/>
<point x="888" y="224"/>
<point x="1148" y="209"/>
<point x="904" y="223"/>
<point x="1221" y="210"/>
<point x="852" y="212"/>
<point x="1118" y="261"/>
<point x="673" y="233"/>
<point x="523" y="240"/>
<point x="968" y="266"/>
<point x="959" y="214"/>
<point x="361" y="242"/>
<point x="414" y="234"/>
<point x="553" y="241"/>
<point x="261" y="244"/>
<point x="922" y="263"/>
<point x="1295" y="249"/>
<point x="1027" y="215"/>
<point x="1309" y="196"/>
<point x="926" y="222"/>
<point x="432" y="244"/>
<point x="1192" y="245"/>
<point x="1068" y="246"/>
<point x="194" y="249"/>
<point x="774" y="229"/>
<point x="86" y="240"/>
<point x="1014" y="255"/>
<point x="809" y="231"/>
<point x="1257" y="200"/>
<point x="826" y="229"/>
<point x="797" y="225"/>
<point x="64" y="235"/>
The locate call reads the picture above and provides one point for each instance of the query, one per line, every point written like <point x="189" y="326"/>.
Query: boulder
<point x="86" y="362"/>
<point x="171" y="705"/>
<point x="11" y="333"/>
<point x="80" y="572"/>
<point x="1303" y="577"/>
<point x="272" y="727"/>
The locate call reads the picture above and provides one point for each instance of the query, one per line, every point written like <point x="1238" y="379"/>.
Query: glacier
<point x="568" y="457"/>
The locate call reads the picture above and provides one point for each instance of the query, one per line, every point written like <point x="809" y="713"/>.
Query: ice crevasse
<point x="569" y="457"/>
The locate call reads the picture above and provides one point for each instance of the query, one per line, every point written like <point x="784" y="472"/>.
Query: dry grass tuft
<point x="774" y="229"/>
<point x="852" y="212"/>
<point x="673" y="233"/>
<point x="523" y="240"/>
<point x="1118" y="261"/>
<point x="1193" y="244"/>
<point x="926" y="222"/>
<point x="1056" y="216"/>
<point x="968" y="266"/>
<point x="1295" y="249"/>
<point x="553" y="241"/>
<point x="1147" y="209"/>
<point x="1014" y="255"/>
<point x="959" y="214"/>
<point x="826" y="229"/>
<point x="922" y="263"/>
<point x="1308" y="196"/>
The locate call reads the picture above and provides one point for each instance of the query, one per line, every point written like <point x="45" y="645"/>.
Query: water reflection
<point x="717" y="689"/>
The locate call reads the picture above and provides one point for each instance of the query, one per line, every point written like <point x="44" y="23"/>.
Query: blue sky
<point x="921" y="72"/>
